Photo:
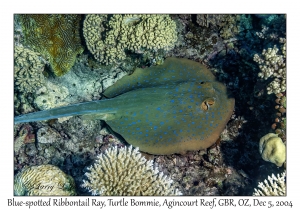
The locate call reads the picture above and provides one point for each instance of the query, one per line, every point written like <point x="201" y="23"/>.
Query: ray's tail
<point x="86" y="108"/>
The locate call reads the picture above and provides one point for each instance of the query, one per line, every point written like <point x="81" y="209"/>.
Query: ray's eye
<point x="207" y="103"/>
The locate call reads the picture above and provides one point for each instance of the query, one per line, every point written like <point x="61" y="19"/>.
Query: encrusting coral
<point x="272" y="64"/>
<point x="28" y="68"/>
<point x="55" y="36"/>
<point x="272" y="149"/>
<point x="44" y="180"/>
<point x="274" y="186"/>
<point x="109" y="38"/>
<point x="125" y="172"/>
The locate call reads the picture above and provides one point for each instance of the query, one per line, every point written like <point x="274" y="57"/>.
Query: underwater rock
<point x="182" y="107"/>
<point x="28" y="68"/>
<point x="107" y="82"/>
<point x="47" y="135"/>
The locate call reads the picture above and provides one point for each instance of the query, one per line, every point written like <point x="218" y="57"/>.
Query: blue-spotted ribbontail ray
<point x="171" y="108"/>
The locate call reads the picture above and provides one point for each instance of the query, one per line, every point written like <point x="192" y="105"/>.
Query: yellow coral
<point x="127" y="32"/>
<point x="55" y="36"/>
<point x="227" y="24"/>
<point x="272" y="149"/>
<point x="43" y="180"/>
<point x="125" y="172"/>
<point x="28" y="69"/>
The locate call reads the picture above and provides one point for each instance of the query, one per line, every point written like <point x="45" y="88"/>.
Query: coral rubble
<point x="245" y="52"/>
<point x="108" y="38"/>
<point x="272" y="149"/>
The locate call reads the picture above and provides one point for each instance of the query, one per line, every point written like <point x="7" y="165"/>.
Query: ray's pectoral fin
<point x="99" y="116"/>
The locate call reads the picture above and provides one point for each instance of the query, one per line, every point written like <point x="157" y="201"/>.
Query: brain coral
<point x="125" y="172"/>
<point x="109" y="38"/>
<point x="55" y="36"/>
<point x="272" y="149"/>
<point x="28" y="70"/>
<point x="43" y="180"/>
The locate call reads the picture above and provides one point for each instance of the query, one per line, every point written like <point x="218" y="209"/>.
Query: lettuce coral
<point x="55" y="36"/>
<point x="125" y="172"/>
<point x="108" y="38"/>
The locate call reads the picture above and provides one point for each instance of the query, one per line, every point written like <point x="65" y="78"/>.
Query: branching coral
<point x="272" y="64"/>
<point x="55" y="36"/>
<point x="125" y="172"/>
<point x="43" y="180"/>
<point x="274" y="186"/>
<point x="109" y="38"/>
<point x="28" y="68"/>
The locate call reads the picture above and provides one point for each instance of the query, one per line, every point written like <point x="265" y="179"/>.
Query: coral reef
<point x="203" y="107"/>
<point x="24" y="136"/>
<point x="207" y="20"/>
<point x="232" y="129"/>
<point x="51" y="96"/>
<point x="79" y="85"/>
<point x="22" y="104"/>
<point x="28" y="68"/>
<point x="272" y="65"/>
<point x="55" y="36"/>
<point x="279" y="124"/>
<point x="272" y="149"/>
<point x="125" y="172"/>
<point x="136" y="33"/>
<point x="47" y="135"/>
<point x="274" y="186"/>
<point x="230" y="167"/>
<point x="228" y="25"/>
<point x="43" y="180"/>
